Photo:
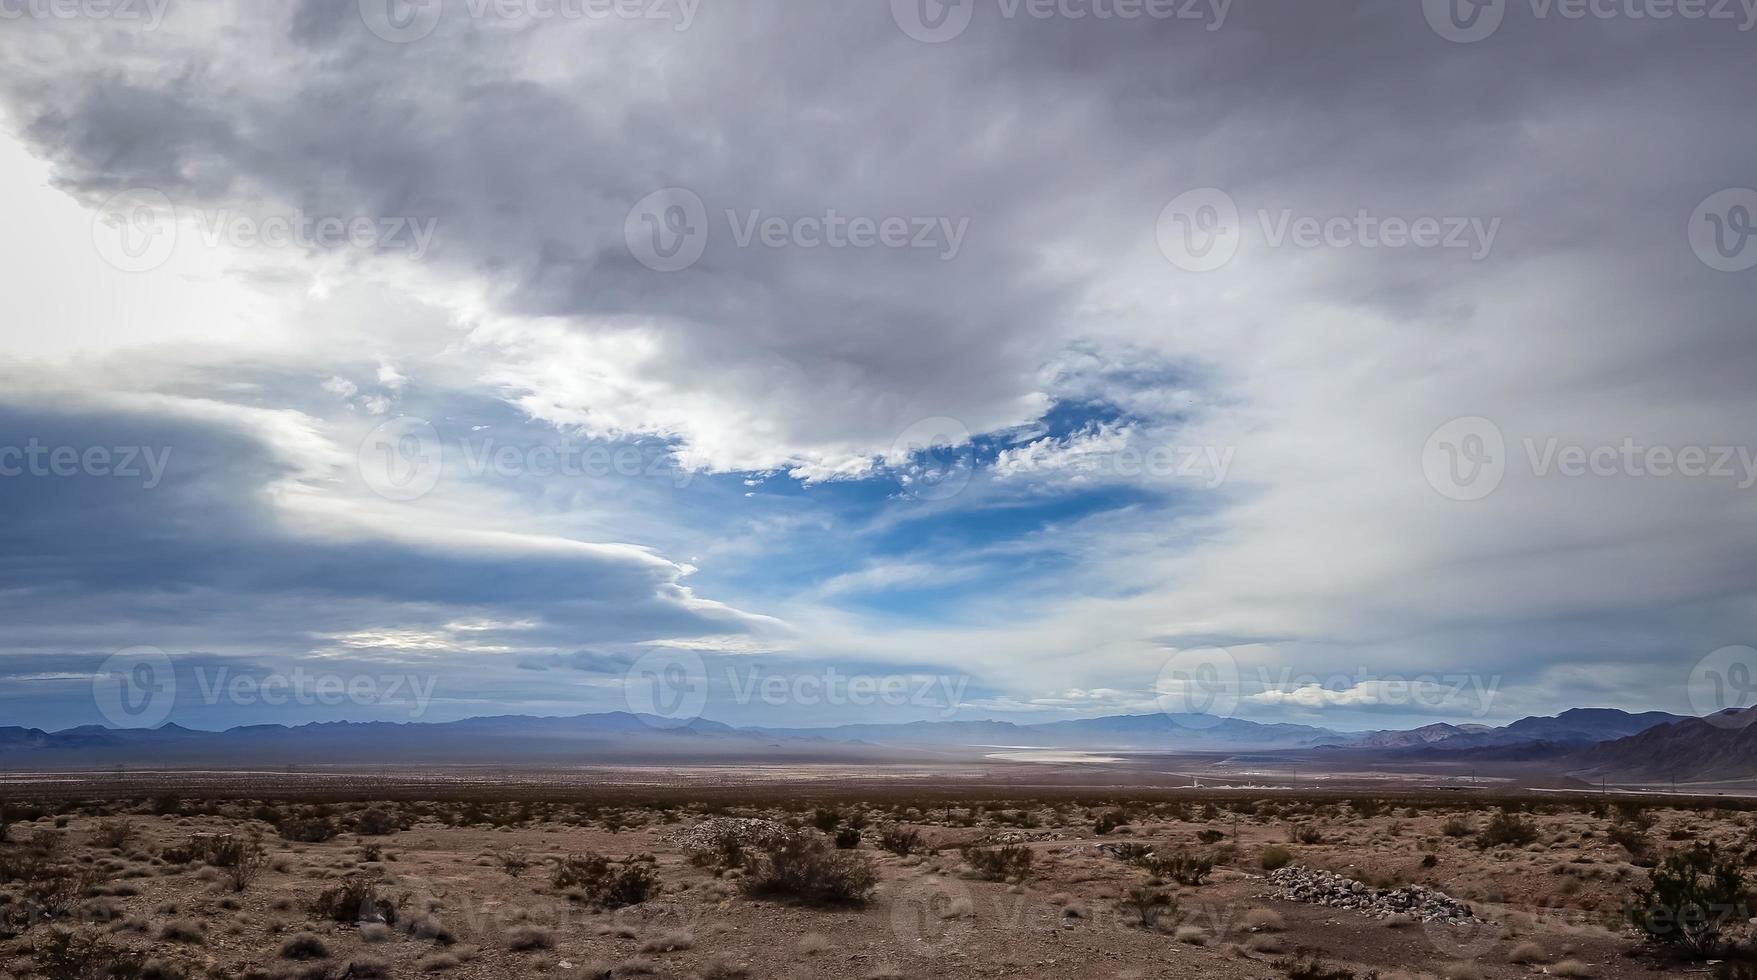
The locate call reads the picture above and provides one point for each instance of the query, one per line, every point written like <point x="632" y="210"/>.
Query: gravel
<point x="1324" y="888"/>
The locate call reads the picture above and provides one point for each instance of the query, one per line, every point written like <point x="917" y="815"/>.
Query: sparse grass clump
<point x="525" y="938"/>
<point x="304" y="946"/>
<point x="1306" y="965"/>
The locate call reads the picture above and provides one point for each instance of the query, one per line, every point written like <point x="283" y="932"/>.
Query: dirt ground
<point x="472" y="893"/>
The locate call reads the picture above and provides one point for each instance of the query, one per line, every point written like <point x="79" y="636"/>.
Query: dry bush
<point x="999" y="863"/>
<point x="809" y="870"/>
<point x="247" y="862"/>
<point x="354" y="899"/>
<point x="1306" y="965"/>
<point x="115" y="834"/>
<point x="1181" y="866"/>
<point x="1506" y="829"/>
<point x="1149" y="904"/>
<point x="899" y="840"/>
<point x="1275" y="856"/>
<point x="61" y="954"/>
<point x="601" y="883"/>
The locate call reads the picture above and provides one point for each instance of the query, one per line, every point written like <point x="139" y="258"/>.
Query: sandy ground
<point x="1553" y="900"/>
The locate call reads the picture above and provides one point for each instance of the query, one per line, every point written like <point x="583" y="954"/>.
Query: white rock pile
<point x="1324" y="888"/>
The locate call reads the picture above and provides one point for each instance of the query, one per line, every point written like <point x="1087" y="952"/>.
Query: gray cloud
<point x="1590" y="320"/>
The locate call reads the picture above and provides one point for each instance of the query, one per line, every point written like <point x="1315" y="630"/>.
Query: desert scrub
<point x="1275" y="856"/>
<point x="809" y="870"/>
<point x="603" y="884"/>
<point x="1689" y="899"/>
<point x="1506" y="829"/>
<point x="899" y="840"/>
<point x="1180" y="866"/>
<point x="355" y="899"/>
<point x="999" y="863"/>
<point x="1148" y="904"/>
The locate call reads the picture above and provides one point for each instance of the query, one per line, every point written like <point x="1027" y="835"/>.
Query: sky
<point x="1361" y="366"/>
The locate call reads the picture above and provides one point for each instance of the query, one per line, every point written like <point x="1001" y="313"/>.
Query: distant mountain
<point x="1722" y="746"/>
<point x="1149" y="731"/>
<point x="1573" y="728"/>
<point x="1590" y="725"/>
<point x="1416" y="736"/>
<point x="617" y="737"/>
<point x="620" y="737"/>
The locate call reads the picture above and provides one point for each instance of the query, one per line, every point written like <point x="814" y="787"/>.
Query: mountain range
<point x="1605" y="741"/>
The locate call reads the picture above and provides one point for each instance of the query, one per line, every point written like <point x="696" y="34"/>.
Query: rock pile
<point x="1006" y="837"/>
<point x="711" y="836"/>
<point x="1324" y="888"/>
